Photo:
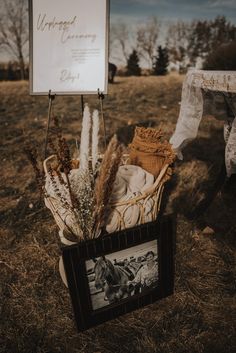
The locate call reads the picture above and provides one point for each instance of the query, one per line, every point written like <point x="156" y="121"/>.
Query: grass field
<point x="36" y="313"/>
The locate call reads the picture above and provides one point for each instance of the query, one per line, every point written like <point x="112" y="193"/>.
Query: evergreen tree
<point x="133" y="67"/>
<point x="222" y="58"/>
<point x="207" y="36"/>
<point x="162" y="61"/>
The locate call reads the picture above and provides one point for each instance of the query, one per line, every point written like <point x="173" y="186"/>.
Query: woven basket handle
<point x="157" y="184"/>
<point x="158" y="180"/>
<point x="45" y="163"/>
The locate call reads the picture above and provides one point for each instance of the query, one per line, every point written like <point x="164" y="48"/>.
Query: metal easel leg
<point x="101" y="97"/>
<point x="51" y="98"/>
<point x="82" y="104"/>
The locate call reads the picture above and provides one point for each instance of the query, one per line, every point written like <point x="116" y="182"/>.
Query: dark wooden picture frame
<point x="76" y="258"/>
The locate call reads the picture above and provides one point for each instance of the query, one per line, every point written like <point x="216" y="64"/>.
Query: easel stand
<point x="51" y="98"/>
<point x="101" y="97"/>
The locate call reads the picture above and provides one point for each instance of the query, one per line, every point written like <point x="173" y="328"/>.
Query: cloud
<point x="174" y="9"/>
<point x="144" y="2"/>
<point x="224" y="4"/>
<point x="148" y="2"/>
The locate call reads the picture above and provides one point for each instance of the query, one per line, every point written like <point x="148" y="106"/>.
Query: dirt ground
<point x="36" y="312"/>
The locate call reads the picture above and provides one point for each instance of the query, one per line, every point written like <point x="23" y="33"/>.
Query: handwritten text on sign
<point x="69" y="46"/>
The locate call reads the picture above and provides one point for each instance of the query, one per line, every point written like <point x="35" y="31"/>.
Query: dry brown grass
<point x="36" y="313"/>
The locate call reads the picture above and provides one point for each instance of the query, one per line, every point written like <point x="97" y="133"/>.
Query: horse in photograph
<point x="112" y="279"/>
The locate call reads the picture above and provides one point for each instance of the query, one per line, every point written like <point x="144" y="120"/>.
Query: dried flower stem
<point x="85" y="139"/>
<point x="85" y="202"/>
<point x="105" y="181"/>
<point x="32" y="156"/>
<point x="95" y="140"/>
<point x="115" y="163"/>
<point x="56" y="189"/>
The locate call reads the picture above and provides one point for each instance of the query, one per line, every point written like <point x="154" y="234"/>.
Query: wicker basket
<point x="62" y="216"/>
<point x="150" y="199"/>
<point x="148" y="204"/>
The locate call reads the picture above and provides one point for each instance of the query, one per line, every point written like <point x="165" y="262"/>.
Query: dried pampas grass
<point x="106" y="178"/>
<point x="82" y="191"/>
<point x="95" y="132"/>
<point x="85" y="139"/>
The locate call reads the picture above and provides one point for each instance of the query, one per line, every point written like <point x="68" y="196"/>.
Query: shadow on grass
<point x="193" y="200"/>
<point x="125" y="133"/>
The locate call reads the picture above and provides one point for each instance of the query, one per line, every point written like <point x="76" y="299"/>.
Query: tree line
<point x="210" y="42"/>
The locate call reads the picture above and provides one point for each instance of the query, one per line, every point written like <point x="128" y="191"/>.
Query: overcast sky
<point x="140" y="10"/>
<point x="135" y="12"/>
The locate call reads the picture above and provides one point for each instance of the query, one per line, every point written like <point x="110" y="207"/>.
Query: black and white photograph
<point x="116" y="274"/>
<point x="122" y="274"/>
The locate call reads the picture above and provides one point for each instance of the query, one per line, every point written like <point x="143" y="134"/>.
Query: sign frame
<point x="70" y="91"/>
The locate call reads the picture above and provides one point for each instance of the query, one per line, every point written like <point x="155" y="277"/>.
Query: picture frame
<point x="92" y="267"/>
<point x="68" y="46"/>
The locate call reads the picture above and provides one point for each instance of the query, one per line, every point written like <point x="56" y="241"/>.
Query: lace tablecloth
<point x="205" y="92"/>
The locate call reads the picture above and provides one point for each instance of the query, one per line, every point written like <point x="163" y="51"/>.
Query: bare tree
<point x="14" y="30"/>
<point x="178" y="38"/>
<point x="147" y="36"/>
<point x="120" y="40"/>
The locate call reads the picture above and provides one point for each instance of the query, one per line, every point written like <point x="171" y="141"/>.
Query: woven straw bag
<point x="67" y="224"/>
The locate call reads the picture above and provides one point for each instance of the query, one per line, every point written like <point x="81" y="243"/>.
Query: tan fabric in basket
<point x="149" y="152"/>
<point x="151" y="162"/>
<point x="131" y="202"/>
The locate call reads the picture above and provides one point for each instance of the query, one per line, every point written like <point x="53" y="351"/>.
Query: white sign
<point x="68" y="46"/>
